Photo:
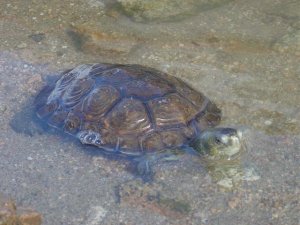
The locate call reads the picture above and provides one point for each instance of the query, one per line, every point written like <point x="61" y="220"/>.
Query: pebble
<point x="22" y="45"/>
<point x="37" y="37"/>
<point x="225" y="183"/>
<point x="96" y="215"/>
<point x="3" y="108"/>
<point x="268" y="122"/>
<point x="233" y="203"/>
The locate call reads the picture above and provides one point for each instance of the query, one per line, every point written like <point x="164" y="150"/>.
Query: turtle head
<point x="218" y="143"/>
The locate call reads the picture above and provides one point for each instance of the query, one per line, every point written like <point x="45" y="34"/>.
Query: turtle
<point x="135" y="110"/>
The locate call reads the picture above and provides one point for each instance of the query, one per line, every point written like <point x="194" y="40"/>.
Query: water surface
<point x="243" y="54"/>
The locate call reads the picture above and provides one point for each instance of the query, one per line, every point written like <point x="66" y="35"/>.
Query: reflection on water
<point x="244" y="55"/>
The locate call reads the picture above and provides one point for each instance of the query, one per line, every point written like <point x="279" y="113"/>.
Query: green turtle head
<point x="218" y="143"/>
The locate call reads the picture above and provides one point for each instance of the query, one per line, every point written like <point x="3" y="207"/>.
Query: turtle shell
<point x="131" y="109"/>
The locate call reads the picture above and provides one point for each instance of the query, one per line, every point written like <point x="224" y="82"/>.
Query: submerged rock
<point x="165" y="10"/>
<point x="10" y="214"/>
<point x="92" y="40"/>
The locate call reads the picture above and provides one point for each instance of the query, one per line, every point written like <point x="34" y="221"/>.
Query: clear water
<point x="243" y="54"/>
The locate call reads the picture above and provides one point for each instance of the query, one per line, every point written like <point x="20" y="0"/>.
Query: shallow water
<point x="244" y="55"/>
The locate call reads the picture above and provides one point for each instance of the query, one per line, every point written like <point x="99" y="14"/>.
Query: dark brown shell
<point x="130" y="109"/>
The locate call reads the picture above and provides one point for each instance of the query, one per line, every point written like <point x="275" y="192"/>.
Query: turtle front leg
<point x="145" y="163"/>
<point x="144" y="168"/>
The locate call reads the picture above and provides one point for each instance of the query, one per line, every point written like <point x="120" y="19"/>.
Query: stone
<point x="165" y="10"/>
<point x="11" y="214"/>
<point x="92" y="40"/>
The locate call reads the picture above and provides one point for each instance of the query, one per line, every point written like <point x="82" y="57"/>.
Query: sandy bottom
<point x="243" y="55"/>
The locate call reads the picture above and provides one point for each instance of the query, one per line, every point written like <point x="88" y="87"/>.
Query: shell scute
<point x="72" y="123"/>
<point x="129" y="145"/>
<point x="127" y="117"/>
<point x="130" y="109"/>
<point x="172" y="110"/>
<point x="57" y="119"/>
<point x="75" y="91"/>
<point x="146" y="88"/>
<point x="99" y="101"/>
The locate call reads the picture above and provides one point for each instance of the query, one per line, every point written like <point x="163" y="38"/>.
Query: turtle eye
<point x="218" y="141"/>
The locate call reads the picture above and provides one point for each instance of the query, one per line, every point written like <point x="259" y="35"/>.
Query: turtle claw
<point x="144" y="170"/>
